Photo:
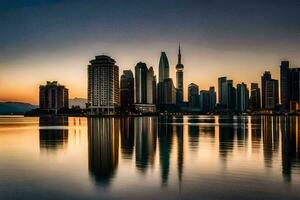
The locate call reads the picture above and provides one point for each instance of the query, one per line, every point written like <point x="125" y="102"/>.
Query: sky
<point x="44" y="40"/>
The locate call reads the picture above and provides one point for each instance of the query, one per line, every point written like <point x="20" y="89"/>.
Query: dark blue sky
<point x="38" y="35"/>
<point x="33" y="25"/>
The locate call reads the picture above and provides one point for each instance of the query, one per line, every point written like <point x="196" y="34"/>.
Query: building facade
<point x="221" y="80"/>
<point x="53" y="97"/>
<point x="163" y="67"/>
<point x="289" y="86"/>
<point x="270" y="95"/>
<point x="127" y="89"/>
<point x="145" y="88"/>
<point x="255" y="97"/>
<point x="193" y="95"/>
<point x="103" y="85"/>
<point x="212" y="98"/>
<point x="242" y="97"/>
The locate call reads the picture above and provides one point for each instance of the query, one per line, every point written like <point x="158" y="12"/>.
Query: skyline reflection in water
<point x="151" y="157"/>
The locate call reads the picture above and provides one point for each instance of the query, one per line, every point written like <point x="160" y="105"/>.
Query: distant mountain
<point x="77" y="102"/>
<point x="15" y="107"/>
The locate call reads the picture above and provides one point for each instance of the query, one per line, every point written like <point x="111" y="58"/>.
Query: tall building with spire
<point x="179" y="78"/>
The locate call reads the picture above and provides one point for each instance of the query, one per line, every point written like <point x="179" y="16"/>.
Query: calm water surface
<point x="189" y="157"/>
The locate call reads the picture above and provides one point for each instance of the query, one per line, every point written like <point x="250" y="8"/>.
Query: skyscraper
<point x="141" y="76"/>
<point x="270" y="99"/>
<point x="145" y="88"/>
<point x="53" y="97"/>
<point x="179" y="78"/>
<point x="227" y="94"/>
<point x="284" y="86"/>
<point x="151" y="86"/>
<point x="289" y="86"/>
<point x="127" y="89"/>
<point x="221" y="80"/>
<point x="204" y="101"/>
<point x="103" y="85"/>
<point x="255" y="96"/>
<point x="163" y="67"/>
<point x="193" y="95"/>
<point x="266" y="76"/>
<point x="242" y="96"/>
<point x="212" y="99"/>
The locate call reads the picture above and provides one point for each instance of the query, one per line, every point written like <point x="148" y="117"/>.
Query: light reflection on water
<point x="213" y="157"/>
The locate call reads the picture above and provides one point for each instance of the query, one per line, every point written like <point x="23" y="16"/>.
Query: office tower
<point x="103" y="85"/>
<point x="212" y="99"/>
<point x="270" y="99"/>
<point x="166" y="93"/>
<point x="169" y="91"/>
<point x="227" y="94"/>
<point x="294" y="89"/>
<point x="127" y="89"/>
<point x="141" y="76"/>
<point x="154" y="87"/>
<point x="289" y="86"/>
<point x="193" y="95"/>
<point x="221" y="80"/>
<point x="163" y="67"/>
<point x="204" y="101"/>
<point x="179" y="78"/>
<point x="255" y="96"/>
<point x="242" y="96"/>
<point x="231" y="95"/>
<point x="284" y="85"/>
<point x="145" y="88"/>
<point x="53" y="97"/>
<point x="150" y="86"/>
<point x="266" y="76"/>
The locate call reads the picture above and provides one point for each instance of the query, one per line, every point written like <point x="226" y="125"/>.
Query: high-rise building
<point x="221" y="80"/>
<point x="53" y="97"/>
<point x="179" y="78"/>
<point x="127" y="89"/>
<point x="289" y="86"/>
<point x="227" y="94"/>
<point x="103" y="85"/>
<point x="266" y="76"/>
<point x="193" y="95"/>
<point x="284" y="85"/>
<point x="141" y="76"/>
<point x="163" y="67"/>
<point x="169" y="96"/>
<point x="255" y="96"/>
<point x="270" y="99"/>
<point x="212" y="99"/>
<point x="242" y="97"/>
<point x="166" y="93"/>
<point x="204" y="101"/>
<point x="145" y="88"/>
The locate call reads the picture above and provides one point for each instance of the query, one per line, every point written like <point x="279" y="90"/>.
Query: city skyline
<point x="37" y="43"/>
<point x="81" y="92"/>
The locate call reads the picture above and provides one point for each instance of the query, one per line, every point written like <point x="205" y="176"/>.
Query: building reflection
<point x="180" y="150"/>
<point x="103" y="148"/>
<point x="290" y="145"/>
<point x="165" y="134"/>
<point x="193" y="132"/>
<point x="53" y="132"/>
<point x="256" y="124"/>
<point x="226" y="136"/>
<point x="127" y="137"/>
<point x="242" y="131"/>
<point x="270" y="138"/>
<point x="146" y="136"/>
